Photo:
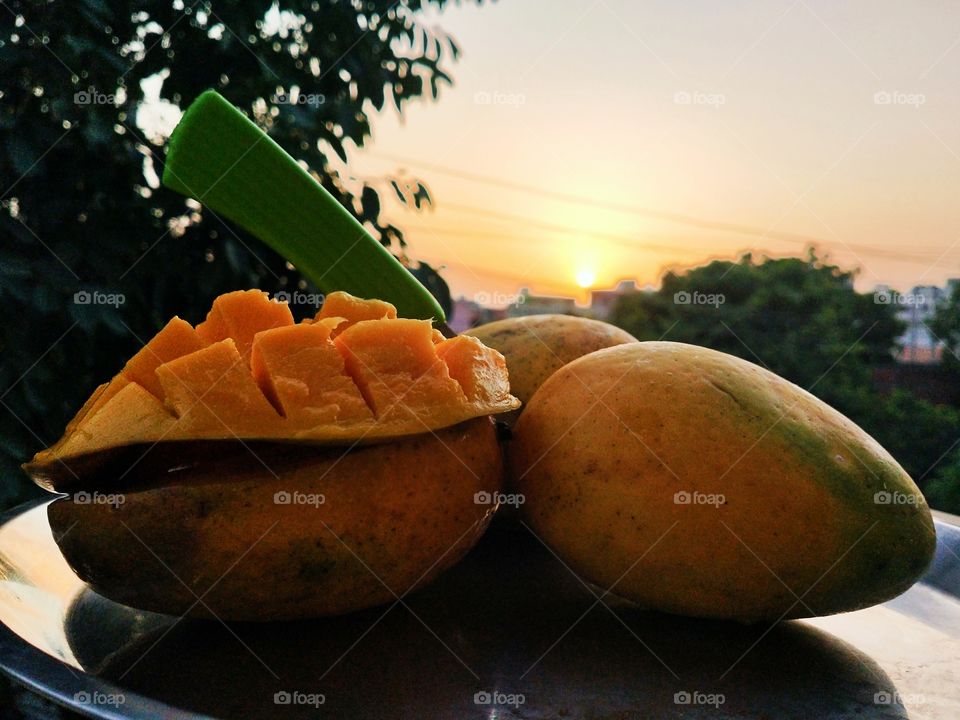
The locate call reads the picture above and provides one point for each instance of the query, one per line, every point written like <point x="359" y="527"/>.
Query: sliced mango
<point x="353" y="310"/>
<point x="247" y="371"/>
<point x="302" y="372"/>
<point x="177" y="338"/>
<point x="241" y="315"/>
<point x="213" y="394"/>
<point x="480" y="371"/>
<point x="395" y="364"/>
<point x="133" y="413"/>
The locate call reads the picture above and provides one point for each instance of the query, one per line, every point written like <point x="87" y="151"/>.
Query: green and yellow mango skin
<point x="289" y="531"/>
<point x="697" y="483"/>
<point x="536" y="346"/>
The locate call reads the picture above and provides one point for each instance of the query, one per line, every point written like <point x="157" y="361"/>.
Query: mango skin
<point x="536" y="346"/>
<point x="605" y="445"/>
<point x="393" y="517"/>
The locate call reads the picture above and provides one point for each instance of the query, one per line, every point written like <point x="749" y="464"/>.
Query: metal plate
<point x="509" y="632"/>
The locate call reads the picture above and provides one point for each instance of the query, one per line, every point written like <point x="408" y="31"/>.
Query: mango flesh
<point x="696" y="483"/>
<point x="536" y="346"/>
<point x="325" y="531"/>
<point x="303" y="374"/>
<point x="249" y="372"/>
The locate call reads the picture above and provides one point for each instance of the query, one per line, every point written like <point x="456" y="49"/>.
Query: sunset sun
<point x="586" y="277"/>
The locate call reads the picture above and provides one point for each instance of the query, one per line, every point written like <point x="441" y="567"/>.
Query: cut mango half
<point x="355" y="373"/>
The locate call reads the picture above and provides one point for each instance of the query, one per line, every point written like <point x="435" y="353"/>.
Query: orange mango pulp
<point x="248" y="371"/>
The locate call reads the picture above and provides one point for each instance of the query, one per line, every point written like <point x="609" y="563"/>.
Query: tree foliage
<point x="81" y="207"/>
<point x="799" y="317"/>
<point x="946" y="327"/>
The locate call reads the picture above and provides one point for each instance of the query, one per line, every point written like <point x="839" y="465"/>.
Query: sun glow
<point x="585" y="277"/>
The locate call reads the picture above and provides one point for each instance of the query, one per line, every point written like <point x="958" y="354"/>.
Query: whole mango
<point x="697" y="483"/>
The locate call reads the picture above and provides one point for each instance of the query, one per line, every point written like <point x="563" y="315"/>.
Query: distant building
<point x="602" y="302"/>
<point x="467" y="314"/>
<point x="528" y="304"/>
<point x="918" y="345"/>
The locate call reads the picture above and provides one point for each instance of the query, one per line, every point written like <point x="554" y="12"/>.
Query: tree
<point x="802" y="319"/>
<point x="81" y="207"/>
<point x="946" y="327"/>
<point x="943" y="491"/>
<point x="799" y="317"/>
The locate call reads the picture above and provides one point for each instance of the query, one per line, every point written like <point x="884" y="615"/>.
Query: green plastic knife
<point x="223" y="160"/>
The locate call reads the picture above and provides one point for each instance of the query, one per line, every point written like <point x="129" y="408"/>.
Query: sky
<point x="588" y="142"/>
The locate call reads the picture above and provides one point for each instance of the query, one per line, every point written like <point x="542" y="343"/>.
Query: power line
<point x="515" y="237"/>
<point x="604" y="205"/>
<point x="645" y="212"/>
<point x="633" y="244"/>
<point x="564" y="290"/>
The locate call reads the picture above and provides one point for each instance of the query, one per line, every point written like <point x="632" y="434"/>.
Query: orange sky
<point x="760" y="115"/>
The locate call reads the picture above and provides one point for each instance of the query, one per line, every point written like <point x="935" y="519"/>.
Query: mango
<point x="536" y="346"/>
<point x="693" y="482"/>
<point x="278" y="532"/>
<point x="252" y="468"/>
